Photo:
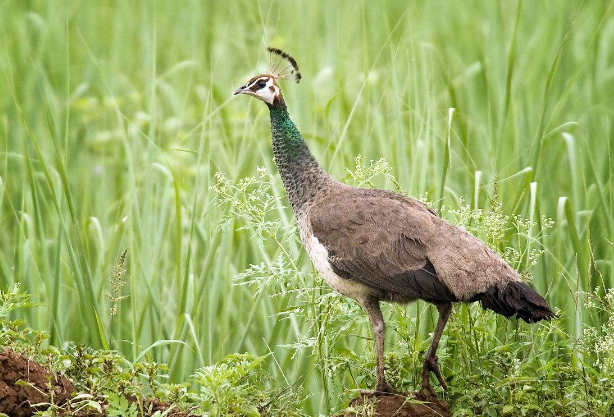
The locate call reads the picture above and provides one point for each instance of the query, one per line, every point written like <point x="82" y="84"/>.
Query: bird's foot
<point x="426" y="393"/>
<point x="382" y="388"/>
<point x="430" y="365"/>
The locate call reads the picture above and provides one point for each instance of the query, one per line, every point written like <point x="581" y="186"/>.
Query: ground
<point x="369" y="405"/>
<point x="17" y="399"/>
<point x="38" y="383"/>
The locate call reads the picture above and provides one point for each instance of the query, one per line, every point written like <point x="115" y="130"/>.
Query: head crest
<point x="282" y="65"/>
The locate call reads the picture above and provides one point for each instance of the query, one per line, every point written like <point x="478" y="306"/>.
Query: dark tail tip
<point x="517" y="298"/>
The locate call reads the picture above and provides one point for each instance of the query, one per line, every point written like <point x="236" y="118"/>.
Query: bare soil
<point x="396" y="406"/>
<point x="38" y="385"/>
<point x="17" y="400"/>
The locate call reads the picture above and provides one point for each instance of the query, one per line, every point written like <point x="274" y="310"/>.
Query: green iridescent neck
<point x="301" y="174"/>
<point x="286" y="135"/>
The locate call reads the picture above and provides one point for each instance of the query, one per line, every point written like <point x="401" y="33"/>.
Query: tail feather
<point x="518" y="298"/>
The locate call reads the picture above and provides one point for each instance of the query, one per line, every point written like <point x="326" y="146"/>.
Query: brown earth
<point x="17" y="400"/>
<point x="37" y="385"/>
<point x="396" y="406"/>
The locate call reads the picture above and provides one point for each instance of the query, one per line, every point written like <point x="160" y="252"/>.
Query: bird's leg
<point x="379" y="330"/>
<point x="430" y="360"/>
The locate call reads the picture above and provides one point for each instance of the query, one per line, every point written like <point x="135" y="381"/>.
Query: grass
<point x="115" y="119"/>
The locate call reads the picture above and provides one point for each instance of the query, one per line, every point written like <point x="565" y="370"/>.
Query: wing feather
<point x="377" y="238"/>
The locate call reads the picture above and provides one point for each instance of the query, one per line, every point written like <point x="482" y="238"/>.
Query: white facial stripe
<point x="258" y="80"/>
<point x="268" y="93"/>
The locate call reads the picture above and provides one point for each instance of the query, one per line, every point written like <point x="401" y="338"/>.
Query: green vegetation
<point x="106" y="382"/>
<point x="118" y="132"/>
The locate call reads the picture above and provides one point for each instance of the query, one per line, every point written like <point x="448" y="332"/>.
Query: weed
<point x="117" y="282"/>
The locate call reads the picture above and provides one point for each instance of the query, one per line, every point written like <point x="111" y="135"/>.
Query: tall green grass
<point x="115" y="117"/>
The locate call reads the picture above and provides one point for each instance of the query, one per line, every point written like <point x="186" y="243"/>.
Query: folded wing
<point x="377" y="238"/>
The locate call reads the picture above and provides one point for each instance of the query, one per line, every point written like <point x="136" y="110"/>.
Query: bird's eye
<point x="261" y="84"/>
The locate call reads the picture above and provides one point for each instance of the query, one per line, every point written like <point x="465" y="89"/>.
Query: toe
<point x="383" y="388"/>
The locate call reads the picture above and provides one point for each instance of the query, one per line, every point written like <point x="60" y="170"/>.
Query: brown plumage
<point x="398" y="245"/>
<point x="376" y="245"/>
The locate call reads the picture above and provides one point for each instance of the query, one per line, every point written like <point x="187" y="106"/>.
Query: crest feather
<point x="283" y="66"/>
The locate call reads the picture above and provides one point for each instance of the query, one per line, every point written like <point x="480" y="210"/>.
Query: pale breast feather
<point x="320" y="258"/>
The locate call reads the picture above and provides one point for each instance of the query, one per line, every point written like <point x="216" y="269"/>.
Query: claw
<point x="431" y="365"/>
<point x="435" y="369"/>
<point x="426" y="393"/>
<point x="383" y="388"/>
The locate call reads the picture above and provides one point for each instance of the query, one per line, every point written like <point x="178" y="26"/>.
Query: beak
<point x="239" y="90"/>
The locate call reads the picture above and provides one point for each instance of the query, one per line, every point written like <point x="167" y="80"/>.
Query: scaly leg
<point x="430" y="360"/>
<point x="379" y="330"/>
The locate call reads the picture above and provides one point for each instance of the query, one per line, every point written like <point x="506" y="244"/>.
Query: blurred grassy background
<point x="115" y="117"/>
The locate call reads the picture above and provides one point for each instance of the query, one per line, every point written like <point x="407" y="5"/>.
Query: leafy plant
<point x="107" y="381"/>
<point x="236" y="387"/>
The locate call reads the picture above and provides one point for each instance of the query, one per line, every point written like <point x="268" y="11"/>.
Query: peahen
<point x="375" y="245"/>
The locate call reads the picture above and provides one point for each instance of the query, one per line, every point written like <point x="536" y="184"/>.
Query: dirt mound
<point x="37" y="384"/>
<point x="396" y="406"/>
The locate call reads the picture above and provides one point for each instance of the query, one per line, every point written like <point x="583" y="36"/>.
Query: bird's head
<point x="264" y="86"/>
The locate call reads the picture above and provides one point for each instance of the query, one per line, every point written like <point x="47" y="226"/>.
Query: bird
<point x="375" y="246"/>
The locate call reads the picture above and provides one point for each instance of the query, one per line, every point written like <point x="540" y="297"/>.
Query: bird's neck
<point x="301" y="174"/>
